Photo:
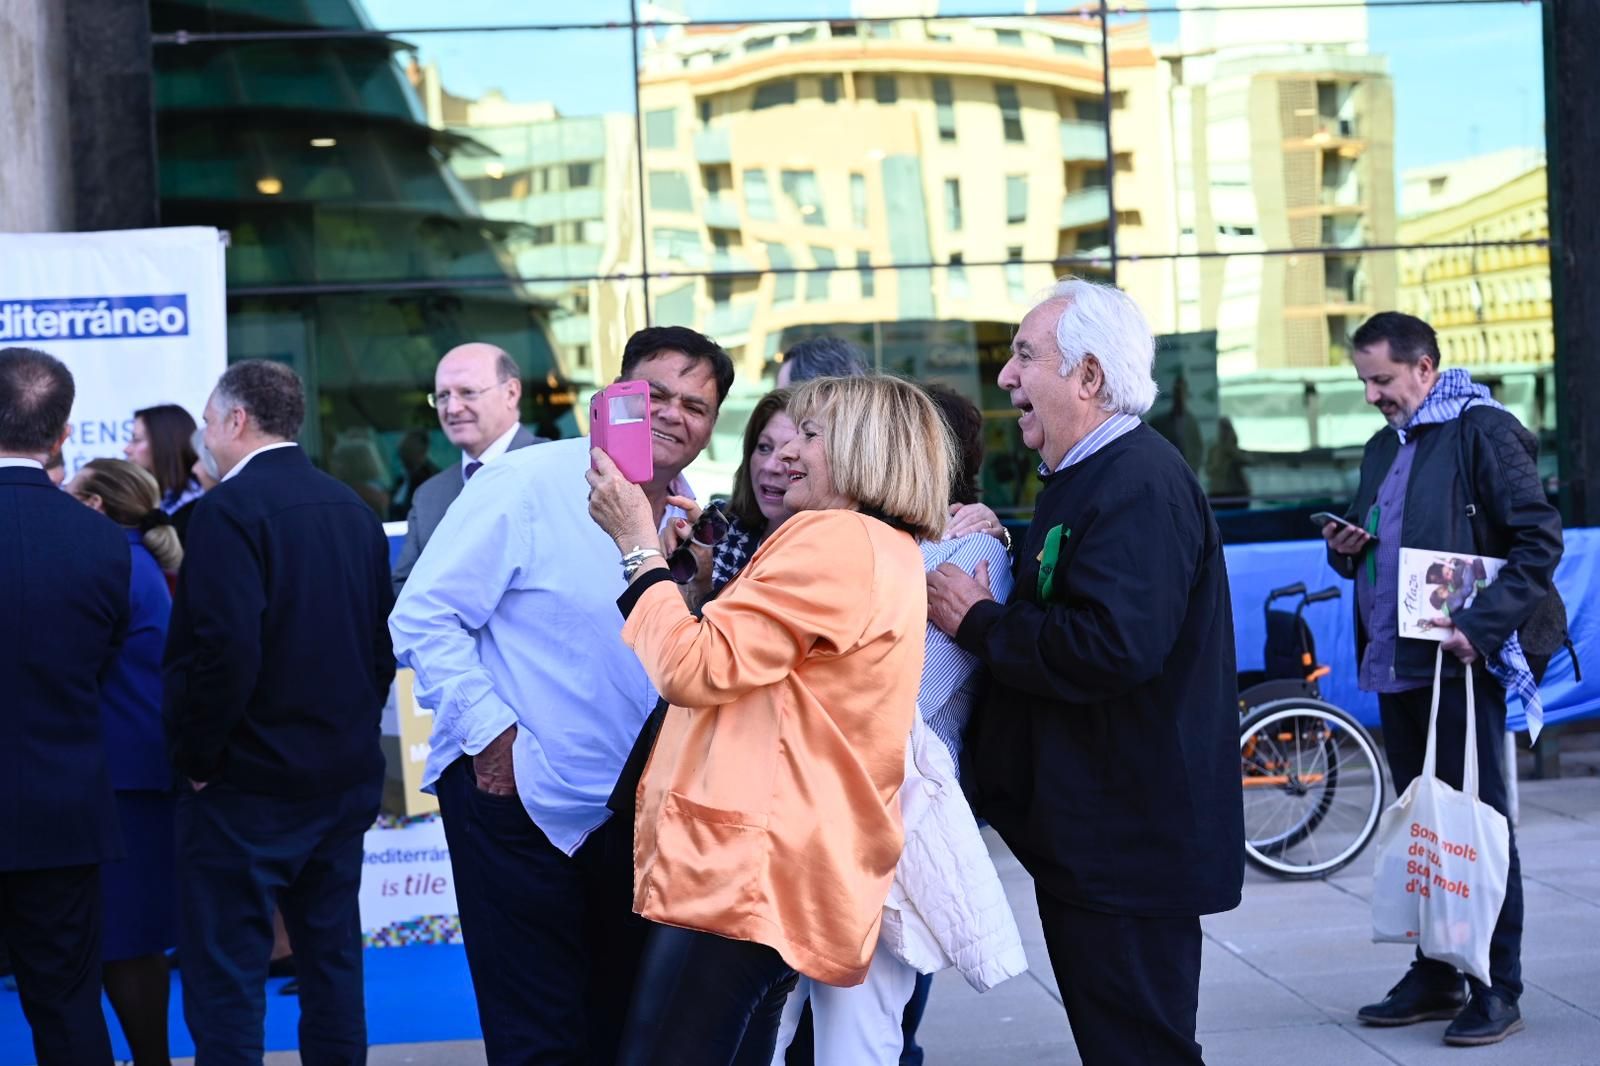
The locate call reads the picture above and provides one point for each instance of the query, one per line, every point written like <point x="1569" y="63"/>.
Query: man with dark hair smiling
<point x="510" y="621"/>
<point x="64" y="582"/>
<point x="277" y="667"/>
<point x="1478" y="493"/>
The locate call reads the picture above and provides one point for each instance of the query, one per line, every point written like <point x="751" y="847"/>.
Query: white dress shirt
<point x="510" y="618"/>
<point x="501" y="445"/>
<point x="240" y="465"/>
<point x="20" y="461"/>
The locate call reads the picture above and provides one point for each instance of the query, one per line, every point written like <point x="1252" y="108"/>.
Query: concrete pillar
<point x="36" y="185"/>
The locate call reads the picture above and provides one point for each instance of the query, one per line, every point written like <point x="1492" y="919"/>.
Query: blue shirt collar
<point x="1093" y="441"/>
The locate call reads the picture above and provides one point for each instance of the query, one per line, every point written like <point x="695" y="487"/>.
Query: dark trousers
<point x="705" y="1000"/>
<point x="240" y="855"/>
<point x="1131" y="985"/>
<point x="50" y="922"/>
<point x="552" y="941"/>
<point x="1405" y="737"/>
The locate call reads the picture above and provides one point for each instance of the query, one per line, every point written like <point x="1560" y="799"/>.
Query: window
<point x="782" y="284"/>
<point x="1119" y="100"/>
<point x="944" y="108"/>
<point x="1010" y="112"/>
<point x="705" y="112"/>
<point x="678" y="245"/>
<point x="1070" y="48"/>
<point x="661" y="128"/>
<point x="1089" y="110"/>
<point x="1131" y="218"/>
<point x="774" y="94"/>
<point x="858" y="200"/>
<point x="711" y="178"/>
<point x="1016" y="198"/>
<point x="758" y="44"/>
<point x="800" y="186"/>
<point x="957" y="279"/>
<point x="829" y="89"/>
<point x="1008" y="38"/>
<point x="818" y="281"/>
<point x="1124" y="162"/>
<point x="543" y="235"/>
<point x="580" y="175"/>
<point x="1016" y="283"/>
<point x="881" y="31"/>
<point x="884" y="89"/>
<point x="869" y="281"/>
<point x="758" y="196"/>
<point x="721" y="290"/>
<point x="1094" y="178"/>
<point x="952" y="204"/>
<point x="669" y="190"/>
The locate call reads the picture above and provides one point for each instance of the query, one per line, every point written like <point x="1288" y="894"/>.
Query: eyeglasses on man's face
<point x="442" y="398"/>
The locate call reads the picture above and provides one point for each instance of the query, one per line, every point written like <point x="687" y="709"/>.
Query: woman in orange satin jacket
<point x="768" y="822"/>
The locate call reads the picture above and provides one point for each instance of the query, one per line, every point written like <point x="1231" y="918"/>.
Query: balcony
<point x="1086" y="207"/>
<point x="721" y="212"/>
<point x="730" y="320"/>
<point x="711" y="146"/>
<point x="1081" y="141"/>
<point x="729" y="262"/>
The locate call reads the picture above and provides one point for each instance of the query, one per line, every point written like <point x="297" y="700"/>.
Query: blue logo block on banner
<point x="94" y="318"/>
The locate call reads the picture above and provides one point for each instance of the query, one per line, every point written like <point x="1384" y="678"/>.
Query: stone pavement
<point x="1283" y="975"/>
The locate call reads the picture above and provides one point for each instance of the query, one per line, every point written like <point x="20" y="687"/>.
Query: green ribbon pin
<point x="1047" y="562"/>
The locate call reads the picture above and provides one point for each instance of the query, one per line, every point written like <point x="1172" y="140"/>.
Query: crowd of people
<point x="710" y="773"/>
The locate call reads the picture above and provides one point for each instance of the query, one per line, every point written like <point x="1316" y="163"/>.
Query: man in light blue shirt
<point x="510" y="622"/>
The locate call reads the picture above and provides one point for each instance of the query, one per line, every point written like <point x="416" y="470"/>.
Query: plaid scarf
<point x="1453" y="393"/>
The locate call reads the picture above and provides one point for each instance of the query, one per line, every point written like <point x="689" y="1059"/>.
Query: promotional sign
<point x="408" y="891"/>
<point x="138" y="316"/>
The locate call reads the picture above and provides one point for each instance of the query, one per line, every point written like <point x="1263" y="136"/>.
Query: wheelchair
<point x="1312" y="778"/>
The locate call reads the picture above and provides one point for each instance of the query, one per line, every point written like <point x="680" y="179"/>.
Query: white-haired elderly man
<point x="1107" y="752"/>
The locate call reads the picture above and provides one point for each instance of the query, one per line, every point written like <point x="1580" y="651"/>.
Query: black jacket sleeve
<point x="1114" y="625"/>
<point x="214" y="659"/>
<point x="1505" y="482"/>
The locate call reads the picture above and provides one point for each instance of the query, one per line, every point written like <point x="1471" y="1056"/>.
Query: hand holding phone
<point x="1347" y="538"/>
<point x="619" y="425"/>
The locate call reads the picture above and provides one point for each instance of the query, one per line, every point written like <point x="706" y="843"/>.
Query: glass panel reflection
<point x="1257" y="389"/>
<point x="1283" y="127"/>
<point x="368" y="361"/>
<point x="364" y="159"/>
<point x="924" y="141"/>
<point x="234" y="16"/>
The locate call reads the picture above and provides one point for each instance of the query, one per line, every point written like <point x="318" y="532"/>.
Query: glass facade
<point x="400" y="176"/>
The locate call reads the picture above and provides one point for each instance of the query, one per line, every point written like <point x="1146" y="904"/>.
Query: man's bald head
<point x="476" y="389"/>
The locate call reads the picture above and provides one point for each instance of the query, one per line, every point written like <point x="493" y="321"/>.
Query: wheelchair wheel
<point x="1313" y="787"/>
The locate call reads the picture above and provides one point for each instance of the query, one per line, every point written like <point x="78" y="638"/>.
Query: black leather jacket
<point x="1474" y="488"/>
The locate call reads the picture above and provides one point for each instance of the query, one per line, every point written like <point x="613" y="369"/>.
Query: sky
<point x="1468" y="77"/>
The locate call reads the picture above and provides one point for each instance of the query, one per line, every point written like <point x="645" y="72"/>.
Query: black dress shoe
<point x="1487" y="1019"/>
<point x="1418" y="997"/>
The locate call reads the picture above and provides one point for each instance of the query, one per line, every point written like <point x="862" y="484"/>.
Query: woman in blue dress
<point x="140" y="918"/>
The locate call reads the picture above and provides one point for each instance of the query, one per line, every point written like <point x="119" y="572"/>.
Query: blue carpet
<point x="414" y="995"/>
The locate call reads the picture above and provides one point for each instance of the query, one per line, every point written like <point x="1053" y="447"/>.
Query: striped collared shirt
<point x="1097" y="438"/>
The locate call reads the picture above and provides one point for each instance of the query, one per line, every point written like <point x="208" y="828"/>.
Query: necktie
<point x="472" y="468"/>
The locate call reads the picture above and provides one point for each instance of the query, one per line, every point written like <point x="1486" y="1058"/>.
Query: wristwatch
<point x="631" y="561"/>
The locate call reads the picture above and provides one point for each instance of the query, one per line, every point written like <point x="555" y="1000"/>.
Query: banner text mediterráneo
<point x="1425" y="875"/>
<point x="94" y="317"/>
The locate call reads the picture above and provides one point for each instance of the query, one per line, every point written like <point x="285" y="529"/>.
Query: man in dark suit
<point x="278" y="664"/>
<point x="476" y="390"/>
<point x="65" y="573"/>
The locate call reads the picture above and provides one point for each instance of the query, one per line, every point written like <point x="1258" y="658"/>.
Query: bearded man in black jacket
<point x="1118" y="640"/>
<point x="1454" y="472"/>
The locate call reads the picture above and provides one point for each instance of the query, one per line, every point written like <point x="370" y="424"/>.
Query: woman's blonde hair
<point x="130" y="497"/>
<point x="888" y="448"/>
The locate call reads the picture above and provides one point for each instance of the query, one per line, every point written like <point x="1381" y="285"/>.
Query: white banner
<point x="138" y="316"/>
<point x="408" y="891"/>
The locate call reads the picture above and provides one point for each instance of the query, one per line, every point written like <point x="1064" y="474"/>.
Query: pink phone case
<point x="619" y="425"/>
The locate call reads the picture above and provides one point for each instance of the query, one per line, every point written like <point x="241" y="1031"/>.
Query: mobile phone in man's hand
<point x="1322" y="518"/>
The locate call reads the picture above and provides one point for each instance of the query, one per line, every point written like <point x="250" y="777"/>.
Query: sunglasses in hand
<point x="708" y="532"/>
